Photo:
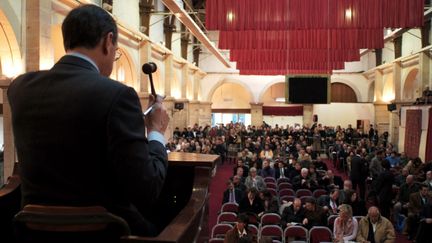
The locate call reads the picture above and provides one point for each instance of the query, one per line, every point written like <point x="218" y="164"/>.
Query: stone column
<point x="256" y="114"/>
<point x="394" y="115"/>
<point x="39" y="53"/>
<point x="9" y="146"/>
<point x="168" y="74"/>
<point x="307" y="115"/>
<point x="378" y="86"/>
<point x="194" y="113"/>
<point x="424" y="62"/>
<point x="205" y="113"/>
<point x="180" y="116"/>
<point x="169" y="105"/>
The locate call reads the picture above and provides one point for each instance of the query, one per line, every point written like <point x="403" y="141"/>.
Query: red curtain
<point x="429" y="138"/>
<point x="283" y="110"/>
<point x="305" y="55"/>
<point x="302" y="39"/>
<point x="312" y="14"/>
<point x="412" y="132"/>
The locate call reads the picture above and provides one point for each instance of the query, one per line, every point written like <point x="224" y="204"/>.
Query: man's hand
<point x="157" y="119"/>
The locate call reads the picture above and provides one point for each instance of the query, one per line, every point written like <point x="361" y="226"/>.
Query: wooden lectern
<point x="183" y="201"/>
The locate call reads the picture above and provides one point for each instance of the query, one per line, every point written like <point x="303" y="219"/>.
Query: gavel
<point x="149" y="68"/>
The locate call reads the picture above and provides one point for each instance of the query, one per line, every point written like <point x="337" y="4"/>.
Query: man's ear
<point x="107" y="42"/>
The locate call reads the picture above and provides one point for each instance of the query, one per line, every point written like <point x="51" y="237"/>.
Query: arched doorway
<point x="343" y="93"/>
<point x="10" y="55"/>
<point x="410" y="86"/>
<point x="124" y="69"/>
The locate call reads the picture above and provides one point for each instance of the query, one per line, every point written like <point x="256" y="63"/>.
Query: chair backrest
<point x="219" y="230"/>
<point x="330" y="221"/>
<point x="318" y="192"/>
<point x="287" y="198"/>
<point x="271" y="185"/>
<point x="230" y="207"/>
<point x="320" y="234"/>
<point x="227" y="218"/>
<point x="253" y="229"/>
<point x="285" y="185"/>
<point x="286" y="192"/>
<point x="38" y="223"/>
<point x="303" y="192"/>
<point x="273" y="231"/>
<point x="216" y="240"/>
<point x="283" y="180"/>
<point x="269" y="179"/>
<point x="272" y="191"/>
<point x="303" y="199"/>
<point x="270" y="218"/>
<point x="297" y="232"/>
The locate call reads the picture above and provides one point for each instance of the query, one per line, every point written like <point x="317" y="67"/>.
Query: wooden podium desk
<point x="184" y="200"/>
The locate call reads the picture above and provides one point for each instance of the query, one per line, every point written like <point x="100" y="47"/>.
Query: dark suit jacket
<point x="238" y="195"/>
<point x="80" y="141"/>
<point x="278" y="173"/>
<point x="288" y="215"/>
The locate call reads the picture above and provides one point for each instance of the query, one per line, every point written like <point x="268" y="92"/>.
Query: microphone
<point x="149" y="68"/>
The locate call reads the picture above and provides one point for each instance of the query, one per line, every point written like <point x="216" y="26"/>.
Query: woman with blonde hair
<point x="345" y="226"/>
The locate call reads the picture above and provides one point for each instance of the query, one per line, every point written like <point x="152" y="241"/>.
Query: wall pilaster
<point x="256" y="114"/>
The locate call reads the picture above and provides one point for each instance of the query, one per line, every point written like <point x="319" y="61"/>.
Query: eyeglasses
<point x="118" y="54"/>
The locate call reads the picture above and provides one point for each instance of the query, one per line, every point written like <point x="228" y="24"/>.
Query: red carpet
<point x="217" y="187"/>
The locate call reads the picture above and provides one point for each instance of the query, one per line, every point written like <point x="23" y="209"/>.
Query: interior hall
<point x="271" y="104"/>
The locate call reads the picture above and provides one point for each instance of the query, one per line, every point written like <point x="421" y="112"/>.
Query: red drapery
<point x="283" y="110"/>
<point x="429" y="138"/>
<point x="260" y="34"/>
<point x="312" y="14"/>
<point x="413" y="132"/>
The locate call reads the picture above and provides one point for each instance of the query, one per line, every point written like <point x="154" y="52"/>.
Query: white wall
<point x="411" y="42"/>
<point x="344" y="113"/>
<point x="12" y="9"/>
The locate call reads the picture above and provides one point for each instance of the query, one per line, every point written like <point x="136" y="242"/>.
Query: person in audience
<point x="347" y="185"/>
<point x="375" y="228"/>
<point x="303" y="181"/>
<point x="267" y="170"/>
<point x="401" y="178"/>
<point x="393" y="159"/>
<point x="345" y="226"/>
<point x="240" y="163"/>
<point x="266" y="153"/>
<point x="239" y="184"/>
<point x="314" y="214"/>
<point x="402" y="200"/>
<point x="295" y="171"/>
<point x="251" y="203"/>
<point x="254" y="180"/>
<point x="240" y="232"/>
<point x="358" y="206"/>
<point x="220" y="149"/>
<point x="245" y="157"/>
<point x="232" y="194"/>
<point x="293" y="214"/>
<point x="375" y="166"/>
<point x="320" y="164"/>
<point x="240" y="173"/>
<point x="416" y="203"/>
<point x="330" y="180"/>
<point x="330" y="202"/>
<point x="270" y="203"/>
<point x="80" y="136"/>
<point x="358" y="173"/>
<point x="425" y="225"/>
<point x="428" y="180"/>
<point x="384" y="188"/>
<point x="281" y="171"/>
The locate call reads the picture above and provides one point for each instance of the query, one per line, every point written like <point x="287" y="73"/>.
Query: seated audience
<point x="416" y="202"/>
<point x="295" y="170"/>
<point x="238" y="183"/>
<point x="347" y="185"/>
<point x="240" y="164"/>
<point x="428" y="180"/>
<point x="345" y="226"/>
<point x="294" y="213"/>
<point x="314" y="214"/>
<point x="266" y="170"/>
<point x="232" y="194"/>
<point x="251" y="203"/>
<point x="330" y="202"/>
<point x="240" y="232"/>
<point x="358" y="206"/>
<point x="425" y="227"/>
<point x="303" y="181"/>
<point x="330" y="180"/>
<point x="270" y="202"/>
<point x="402" y="200"/>
<point x="254" y="180"/>
<point x="281" y="171"/>
<point x="375" y="228"/>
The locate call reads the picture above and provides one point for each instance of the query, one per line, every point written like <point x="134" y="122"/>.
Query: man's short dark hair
<point x="86" y="25"/>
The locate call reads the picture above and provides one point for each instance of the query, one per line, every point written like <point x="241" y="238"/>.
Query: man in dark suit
<point x="281" y="171"/>
<point x="232" y="194"/>
<point x="358" y="173"/>
<point x="80" y="136"/>
<point x="417" y="201"/>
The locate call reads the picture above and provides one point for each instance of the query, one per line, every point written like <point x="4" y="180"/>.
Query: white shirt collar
<point x="241" y="234"/>
<point x="82" y="56"/>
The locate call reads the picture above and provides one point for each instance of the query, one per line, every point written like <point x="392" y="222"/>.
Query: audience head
<point x="310" y="204"/>
<point x="297" y="204"/>
<point x="334" y="194"/>
<point x="424" y="190"/>
<point x="266" y="163"/>
<point x="429" y="175"/>
<point x="409" y="180"/>
<point x="347" y="185"/>
<point x="374" y="214"/>
<point x="385" y="164"/>
<point x="345" y="211"/>
<point x="253" y="172"/>
<point x="230" y="184"/>
<point x="239" y="171"/>
<point x="405" y="171"/>
<point x="242" y="222"/>
<point x="251" y="193"/>
<point x="304" y="172"/>
<point x="236" y="179"/>
<point x="330" y="174"/>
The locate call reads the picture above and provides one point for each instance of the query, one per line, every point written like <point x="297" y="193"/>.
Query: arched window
<point x="342" y="93"/>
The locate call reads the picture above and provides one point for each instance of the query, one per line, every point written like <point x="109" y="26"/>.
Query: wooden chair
<point x="37" y="223"/>
<point x="10" y="204"/>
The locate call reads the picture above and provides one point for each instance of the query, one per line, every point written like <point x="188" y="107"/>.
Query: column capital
<point x="256" y="104"/>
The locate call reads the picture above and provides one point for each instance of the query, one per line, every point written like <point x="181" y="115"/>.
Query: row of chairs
<point x="297" y="233"/>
